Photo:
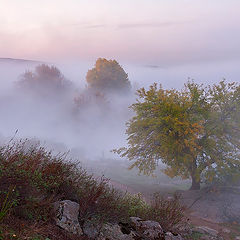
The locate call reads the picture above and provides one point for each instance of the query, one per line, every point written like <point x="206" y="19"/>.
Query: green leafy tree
<point x="108" y="75"/>
<point x="195" y="131"/>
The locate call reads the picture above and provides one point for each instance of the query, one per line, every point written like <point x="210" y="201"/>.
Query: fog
<point x="92" y="131"/>
<point x="88" y="132"/>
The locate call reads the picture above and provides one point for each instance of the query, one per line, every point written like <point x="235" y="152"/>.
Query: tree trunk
<point x="195" y="176"/>
<point x="195" y="183"/>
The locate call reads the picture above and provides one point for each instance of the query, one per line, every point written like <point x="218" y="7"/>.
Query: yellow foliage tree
<point x="108" y="75"/>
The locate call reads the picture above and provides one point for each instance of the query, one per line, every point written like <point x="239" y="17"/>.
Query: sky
<point x="154" y="32"/>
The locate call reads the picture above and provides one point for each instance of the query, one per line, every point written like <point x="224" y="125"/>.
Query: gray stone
<point x="91" y="230"/>
<point x="225" y="230"/>
<point x="151" y="229"/>
<point x="113" y="232"/>
<point x="184" y="229"/>
<point x="147" y="229"/>
<point x="208" y="237"/>
<point x="67" y="216"/>
<point x="206" y="230"/>
<point x="170" y="236"/>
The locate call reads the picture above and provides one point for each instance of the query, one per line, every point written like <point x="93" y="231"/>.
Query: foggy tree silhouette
<point x="44" y="79"/>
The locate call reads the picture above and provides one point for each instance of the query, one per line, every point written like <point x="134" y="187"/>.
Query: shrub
<point x="168" y="212"/>
<point x="135" y="205"/>
<point x="42" y="178"/>
<point x="8" y="200"/>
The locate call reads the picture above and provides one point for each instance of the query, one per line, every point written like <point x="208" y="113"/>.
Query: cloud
<point x="129" y="25"/>
<point x="149" y="25"/>
<point x="154" y="66"/>
<point x="88" y="25"/>
<point x="96" y="26"/>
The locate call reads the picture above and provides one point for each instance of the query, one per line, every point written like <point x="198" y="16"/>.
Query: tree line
<point x="195" y="131"/>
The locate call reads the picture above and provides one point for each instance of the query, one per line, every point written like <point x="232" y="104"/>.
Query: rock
<point x="151" y="229"/>
<point x="225" y="230"/>
<point x="206" y="230"/>
<point x="147" y="229"/>
<point x="108" y="231"/>
<point x="91" y="230"/>
<point x="113" y="232"/>
<point x="184" y="229"/>
<point x="135" y="221"/>
<point x="170" y="236"/>
<point x="208" y="237"/>
<point x="67" y="216"/>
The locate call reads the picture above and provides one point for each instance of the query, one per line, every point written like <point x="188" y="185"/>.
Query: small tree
<point x="195" y="132"/>
<point x="108" y="75"/>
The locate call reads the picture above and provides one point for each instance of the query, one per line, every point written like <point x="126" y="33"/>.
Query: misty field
<point x="119" y="120"/>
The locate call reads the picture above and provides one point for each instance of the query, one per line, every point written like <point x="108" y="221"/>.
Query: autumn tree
<point x="108" y="75"/>
<point x="44" y="79"/>
<point x="195" y="131"/>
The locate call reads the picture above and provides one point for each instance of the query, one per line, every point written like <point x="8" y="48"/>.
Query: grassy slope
<point x="39" y="178"/>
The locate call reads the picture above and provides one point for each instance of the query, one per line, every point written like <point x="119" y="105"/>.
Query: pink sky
<point x="151" y="31"/>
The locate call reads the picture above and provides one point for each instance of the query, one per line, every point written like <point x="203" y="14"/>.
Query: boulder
<point x="170" y="236"/>
<point x="150" y="230"/>
<point x="113" y="232"/>
<point x="66" y="216"/>
<point x="225" y="230"/>
<point x="94" y="230"/>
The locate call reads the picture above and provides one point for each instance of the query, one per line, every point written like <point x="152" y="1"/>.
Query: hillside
<point x="18" y="61"/>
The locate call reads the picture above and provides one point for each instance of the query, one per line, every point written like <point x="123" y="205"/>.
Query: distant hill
<point x="19" y="61"/>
